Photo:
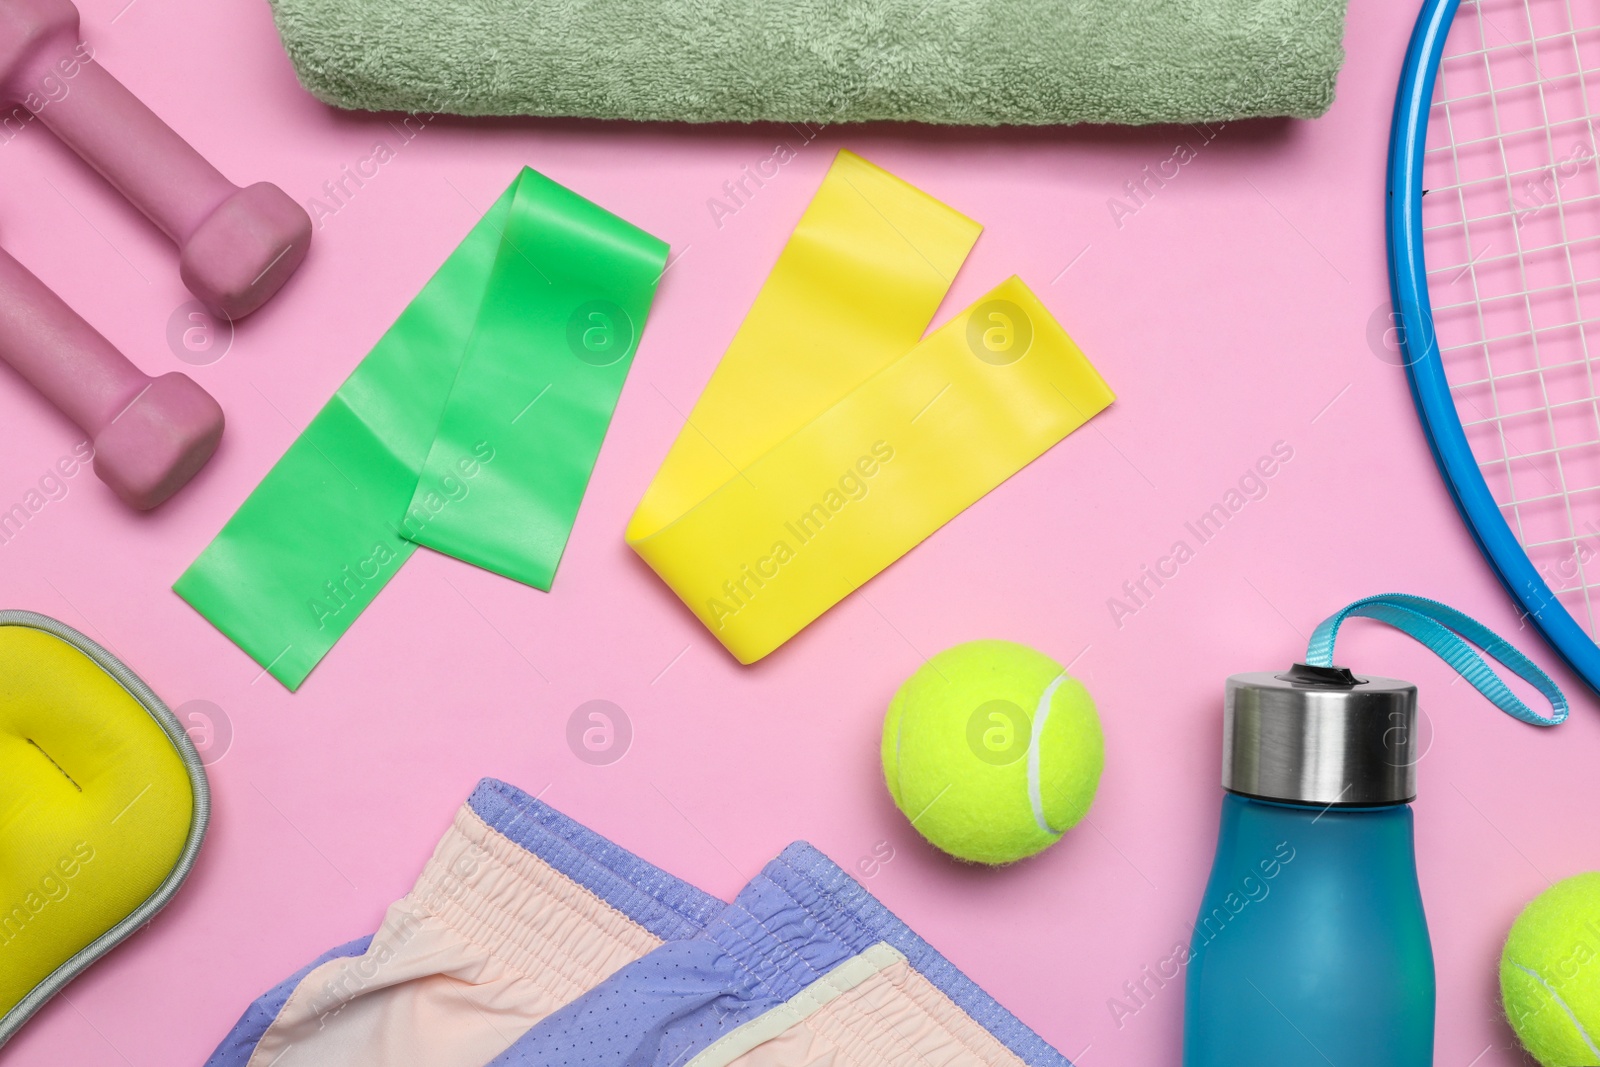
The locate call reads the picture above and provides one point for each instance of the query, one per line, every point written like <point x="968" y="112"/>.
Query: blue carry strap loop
<point x="1442" y="628"/>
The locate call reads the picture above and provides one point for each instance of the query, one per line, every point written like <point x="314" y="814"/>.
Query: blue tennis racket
<point x="1494" y="265"/>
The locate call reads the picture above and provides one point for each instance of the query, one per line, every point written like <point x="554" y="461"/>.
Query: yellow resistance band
<point x="832" y="437"/>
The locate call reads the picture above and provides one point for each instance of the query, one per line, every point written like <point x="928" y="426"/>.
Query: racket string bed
<point x="1511" y="238"/>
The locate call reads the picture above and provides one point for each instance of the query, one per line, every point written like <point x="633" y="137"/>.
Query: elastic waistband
<point x="668" y="907"/>
<point x="803" y="916"/>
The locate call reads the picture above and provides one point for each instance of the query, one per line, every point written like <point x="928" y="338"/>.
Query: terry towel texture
<point x="961" y="62"/>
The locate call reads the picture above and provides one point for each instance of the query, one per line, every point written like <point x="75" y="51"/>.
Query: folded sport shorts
<point x="529" y="941"/>
<point x="519" y="911"/>
<point x="805" y="967"/>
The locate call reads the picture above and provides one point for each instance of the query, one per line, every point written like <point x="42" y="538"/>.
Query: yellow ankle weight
<point x="103" y="804"/>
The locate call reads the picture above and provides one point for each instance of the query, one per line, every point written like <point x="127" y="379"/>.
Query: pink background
<point x="1232" y="311"/>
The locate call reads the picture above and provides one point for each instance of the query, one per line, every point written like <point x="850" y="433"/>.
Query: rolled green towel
<point x="965" y="62"/>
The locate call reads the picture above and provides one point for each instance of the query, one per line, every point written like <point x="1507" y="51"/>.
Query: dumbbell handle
<point x="150" y="434"/>
<point x="136" y="152"/>
<point x="59" y="354"/>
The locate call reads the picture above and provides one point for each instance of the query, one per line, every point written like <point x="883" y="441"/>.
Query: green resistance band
<point x="471" y="427"/>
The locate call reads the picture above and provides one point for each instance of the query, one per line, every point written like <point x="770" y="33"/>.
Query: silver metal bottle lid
<point x="1320" y="735"/>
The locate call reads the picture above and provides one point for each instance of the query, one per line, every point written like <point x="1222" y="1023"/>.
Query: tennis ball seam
<point x="1041" y="713"/>
<point x="1560" y="1002"/>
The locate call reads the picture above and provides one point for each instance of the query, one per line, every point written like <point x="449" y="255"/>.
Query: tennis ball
<point x="1550" y="974"/>
<point x="992" y="751"/>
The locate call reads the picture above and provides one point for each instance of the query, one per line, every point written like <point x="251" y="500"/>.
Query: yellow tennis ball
<point x="992" y="751"/>
<point x="1550" y="974"/>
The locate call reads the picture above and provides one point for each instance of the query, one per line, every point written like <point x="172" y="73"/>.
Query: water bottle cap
<point x="1320" y="735"/>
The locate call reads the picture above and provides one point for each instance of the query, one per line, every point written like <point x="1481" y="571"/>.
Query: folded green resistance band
<point x="471" y="427"/>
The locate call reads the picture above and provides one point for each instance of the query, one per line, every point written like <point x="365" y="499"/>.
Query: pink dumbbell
<point x="237" y="246"/>
<point x="150" y="434"/>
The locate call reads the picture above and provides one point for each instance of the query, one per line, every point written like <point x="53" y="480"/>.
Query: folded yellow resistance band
<point x="832" y="437"/>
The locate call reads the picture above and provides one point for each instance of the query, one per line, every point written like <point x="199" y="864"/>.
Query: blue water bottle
<point x="1311" y="948"/>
